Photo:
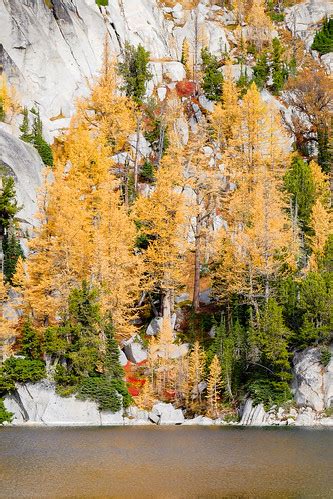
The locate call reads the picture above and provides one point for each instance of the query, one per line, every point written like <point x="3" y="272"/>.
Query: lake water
<point x="166" y="462"/>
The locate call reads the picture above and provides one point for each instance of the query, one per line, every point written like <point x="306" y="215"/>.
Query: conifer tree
<point x="261" y="70"/>
<point x="25" y="127"/>
<point x="162" y="221"/>
<point x="260" y="234"/>
<point x="226" y="115"/>
<point x="321" y="229"/>
<point x="146" y="398"/>
<point x="38" y="140"/>
<point x="260" y="25"/>
<point x="185" y="58"/>
<point x="323" y="40"/>
<point x="111" y="362"/>
<point x="30" y="343"/>
<point x="300" y="184"/>
<point x="134" y="71"/>
<point x="8" y="204"/>
<point x="202" y="179"/>
<point x="12" y="252"/>
<point x="196" y="368"/>
<point x="212" y="81"/>
<point x="279" y="73"/>
<point x="213" y="387"/>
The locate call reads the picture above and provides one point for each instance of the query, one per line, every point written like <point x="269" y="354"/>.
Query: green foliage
<point x="271" y="339"/>
<point x="25" y="127"/>
<point x="269" y="392"/>
<point x="279" y="70"/>
<point x="82" y="364"/>
<point x="244" y="82"/>
<point x="229" y="345"/>
<point x="274" y="11"/>
<point x="21" y="371"/>
<point x="12" y="251"/>
<point x="316" y="303"/>
<point x="325" y="149"/>
<point x="212" y="81"/>
<point x="40" y="143"/>
<point x="325" y="356"/>
<point x="8" y="203"/>
<point x="261" y="70"/>
<point x="2" y="111"/>
<point x="157" y="136"/>
<point x="102" y="2"/>
<point x="101" y="390"/>
<point x="299" y="183"/>
<point x="5" y="416"/>
<point x="112" y="367"/>
<point x="329" y="412"/>
<point x="55" y="340"/>
<point x="134" y="71"/>
<point x="35" y="136"/>
<point x="148" y="171"/>
<point x="30" y="343"/>
<point x="323" y="41"/>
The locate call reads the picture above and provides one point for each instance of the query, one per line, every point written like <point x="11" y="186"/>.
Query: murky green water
<point x="166" y="462"/>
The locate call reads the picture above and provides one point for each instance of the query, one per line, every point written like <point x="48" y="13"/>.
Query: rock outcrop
<point x="313" y="395"/>
<point x="166" y="414"/>
<point x="49" y="49"/>
<point x="313" y="382"/>
<point x="22" y="162"/>
<point x="39" y="404"/>
<point x="303" y="19"/>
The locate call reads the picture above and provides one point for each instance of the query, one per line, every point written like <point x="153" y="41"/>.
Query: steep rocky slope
<point x="48" y="54"/>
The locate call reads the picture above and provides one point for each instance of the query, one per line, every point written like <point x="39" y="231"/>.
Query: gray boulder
<point x="165" y="414"/>
<point x="313" y="383"/>
<point x="155" y="326"/>
<point x="305" y="418"/>
<point x="253" y="415"/>
<point x="134" y="350"/>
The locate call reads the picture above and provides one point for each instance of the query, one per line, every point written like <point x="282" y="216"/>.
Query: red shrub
<point x="185" y="88"/>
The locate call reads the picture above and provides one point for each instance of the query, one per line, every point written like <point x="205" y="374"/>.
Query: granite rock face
<point x="22" y="162"/>
<point x="48" y="53"/>
<point x="39" y="404"/>
<point x="303" y="18"/>
<point x="313" y="382"/>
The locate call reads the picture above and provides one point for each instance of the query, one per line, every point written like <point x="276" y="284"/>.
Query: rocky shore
<point x="39" y="404"/>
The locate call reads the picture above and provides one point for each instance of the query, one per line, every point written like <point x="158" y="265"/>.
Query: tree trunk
<point x="196" y="288"/>
<point x="136" y="159"/>
<point x="166" y="306"/>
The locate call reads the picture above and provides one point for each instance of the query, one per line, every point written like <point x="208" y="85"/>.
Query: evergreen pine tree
<point x="25" y="127"/>
<point x="30" y="342"/>
<point x="134" y="71"/>
<point x="279" y="72"/>
<point x="212" y="82"/>
<point x="299" y="183"/>
<point x="261" y="70"/>
<point x="323" y="41"/>
<point x="112" y="366"/>
<point x="39" y="142"/>
<point x="8" y="203"/>
<point x="12" y="252"/>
